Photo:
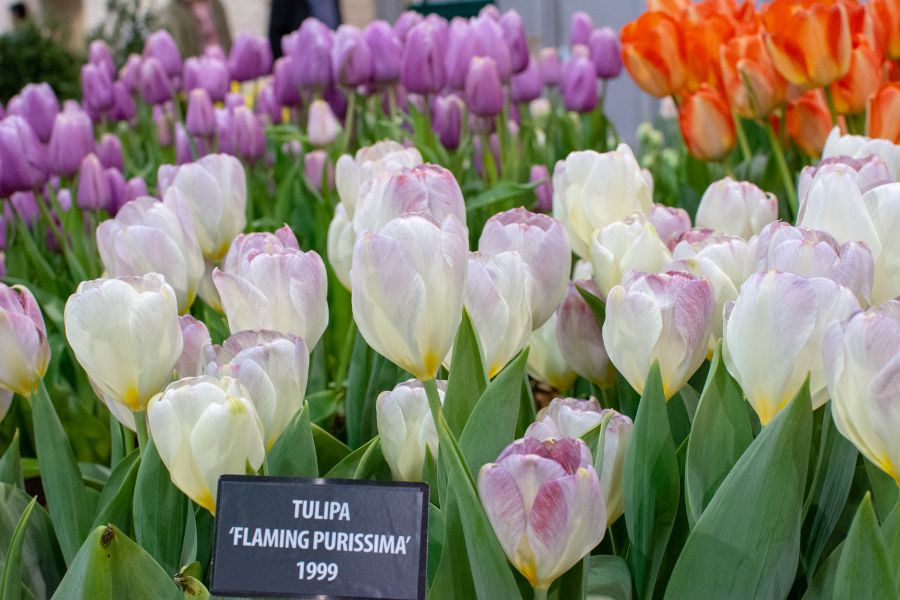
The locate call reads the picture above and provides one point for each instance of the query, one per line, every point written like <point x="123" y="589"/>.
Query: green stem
<point x="540" y="593"/>
<point x="140" y="422"/>
<point x="829" y="99"/>
<point x="786" y="178"/>
<point x="348" y="122"/>
<point x="346" y="354"/>
<point x="741" y="136"/>
<point x="487" y="161"/>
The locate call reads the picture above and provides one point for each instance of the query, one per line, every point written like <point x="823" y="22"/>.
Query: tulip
<point x="422" y="71"/>
<point x="888" y="14"/>
<point x="353" y="175"/>
<point x="161" y="46"/>
<point x="318" y="169"/>
<point x="623" y="246"/>
<point x="580" y="339"/>
<point x="250" y="57"/>
<point x="579" y="85"/>
<point x="592" y="190"/>
<point x="163" y="118"/>
<point x="664" y="318"/>
<point x="273" y="368"/>
<point x="851" y="92"/>
<point x="109" y="151"/>
<point x="249" y="137"/>
<point x="461" y="48"/>
<point x="545" y="504"/>
<point x="285" y="84"/>
<point x="484" y="94"/>
<point x="183" y="152"/>
<point x="23" y="342"/>
<point x="548" y="66"/>
<point x="123" y="108"/>
<point x="441" y="30"/>
<point x="736" y="208"/>
<point x="195" y="338"/>
<point x="857" y="146"/>
<point x="540" y="175"/>
<point x="526" y="86"/>
<point x="514" y="36"/>
<point x="808" y="121"/>
<point x="571" y="418"/>
<point x="670" y="222"/>
<point x="213" y="191"/>
<point x="868" y="173"/>
<point x="130" y="73"/>
<point x="148" y="236"/>
<point x="322" y="127"/>
<point x="118" y="190"/>
<point x="100" y="54"/>
<point x="96" y="88"/>
<point x="405" y="22"/>
<point x="71" y="140"/>
<point x="351" y="57"/>
<point x="23" y="160"/>
<point x="653" y="51"/>
<point x="706" y="124"/>
<point x="201" y="118"/>
<point x="546" y="363"/>
<point x="809" y="42"/>
<point x="24" y="206"/>
<point x="605" y="53"/>
<point x="490" y="42"/>
<point x="311" y="54"/>
<point x="341" y="239"/>
<point x="581" y="28"/>
<point x="859" y="364"/>
<point x="124" y="333"/>
<point x="266" y="282"/>
<point x="883" y="117"/>
<point x="406" y="428"/>
<point x="753" y="86"/>
<point x="447" y="119"/>
<point x="156" y="87"/>
<point x="212" y="75"/>
<point x="387" y="51"/>
<point x="39" y="108"/>
<point x="137" y="187"/>
<point x="203" y="428"/>
<point x="773" y="337"/>
<point x="94" y="192"/>
<point x="414" y="267"/>
<point x="266" y="107"/>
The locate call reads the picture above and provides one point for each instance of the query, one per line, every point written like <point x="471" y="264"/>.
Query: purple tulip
<point x="423" y="65"/>
<point x="109" y="151"/>
<point x="130" y="73"/>
<point x="315" y="164"/>
<point x="156" y="87"/>
<point x="96" y="88"/>
<point x="351" y="57"/>
<point x="549" y="67"/>
<point x="484" y="93"/>
<point x="163" y="120"/>
<point x="249" y="138"/>
<point x="137" y="187"/>
<point x="39" y="107"/>
<point x="99" y="54"/>
<point x="490" y="42"/>
<point x="441" y="28"/>
<point x="183" y="152"/>
<point x="405" y="22"/>
<point x="161" y="46"/>
<point x="286" y="87"/>
<point x="461" y="47"/>
<point x="526" y="86"/>
<point x="201" y="119"/>
<point x="582" y="27"/>
<point x="580" y="85"/>
<point x="14" y="105"/>
<point x="71" y="140"/>
<point x="250" y="57"/>
<point x="311" y="51"/>
<point x="118" y="190"/>
<point x="605" y="53"/>
<point x="670" y="223"/>
<point x="491" y="11"/>
<point x="23" y="161"/>
<point x="447" y="112"/>
<point x="25" y="207"/>
<point x="123" y="108"/>
<point x="208" y="73"/>
<point x="234" y="99"/>
<point x="514" y="35"/>
<point x="216" y="53"/>
<point x="387" y="51"/>
<point x="190" y="74"/>
<point x="94" y="192"/>
<point x="267" y="106"/>
<point x="540" y="174"/>
<point x="224" y="131"/>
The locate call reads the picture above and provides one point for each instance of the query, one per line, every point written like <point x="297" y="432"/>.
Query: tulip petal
<point x="504" y="505"/>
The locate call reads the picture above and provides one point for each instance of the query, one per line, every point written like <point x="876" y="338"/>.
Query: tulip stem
<point x="741" y="136"/>
<point x="140" y="423"/>
<point x="346" y="354"/>
<point x="540" y="593"/>
<point x="786" y="178"/>
<point x="829" y="98"/>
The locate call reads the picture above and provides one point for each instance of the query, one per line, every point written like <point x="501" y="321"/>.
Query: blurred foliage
<point x="29" y="54"/>
<point x="125" y="27"/>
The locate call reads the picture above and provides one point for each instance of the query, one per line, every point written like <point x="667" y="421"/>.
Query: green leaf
<point x="110" y="566"/>
<point x="495" y="194"/>
<point x="117" y="496"/>
<point x="884" y="489"/>
<point x="651" y="485"/>
<point x="160" y="511"/>
<point x="830" y="488"/>
<point x="719" y="435"/>
<point x="747" y="541"/>
<point x="492" y="425"/>
<point x="468" y="378"/>
<point x="609" y="577"/>
<point x="69" y="504"/>
<point x="598" y="307"/>
<point x="11" y="582"/>
<point x="864" y="570"/>
<point x="369" y="374"/>
<point x="11" y="464"/>
<point x="329" y="450"/>
<point x="435" y="541"/>
<point x="347" y="468"/>
<point x="294" y="452"/>
<point x="573" y="583"/>
<point x="453" y="578"/>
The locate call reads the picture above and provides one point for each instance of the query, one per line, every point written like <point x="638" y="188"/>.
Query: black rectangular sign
<point x="332" y="538"/>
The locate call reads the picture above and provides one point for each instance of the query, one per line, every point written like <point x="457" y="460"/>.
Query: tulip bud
<point x="605" y="53"/>
<point x="414" y="267"/>
<point x="96" y="88"/>
<point x="273" y="368"/>
<point x="581" y="28"/>
<point x="201" y="119"/>
<point x="753" y="85"/>
<point x="736" y="208"/>
<point x="111" y="324"/>
<point x="203" y="428"/>
<point x="579" y="336"/>
<point x="808" y="120"/>
<point x="514" y="36"/>
<point x="94" y="192"/>
<point x="579" y="85"/>
<point x="654" y="52"/>
<point x="156" y="87"/>
<point x="137" y="187"/>
<point x="161" y="46"/>
<point x="706" y="124"/>
<point x="183" y="151"/>
<point x="23" y="161"/>
<point x="195" y="338"/>
<point x="540" y="174"/>
<point x="407" y="429"/>
<point x="560" y="520"/>
<point x="100" y="54"/>
<point x="71" y="140"/>
<point x="386" y="49"/>
<point x="318" y="169"/>
<point x="162" y="118"/>
<point x="354" y="175"/>
<point x="109" y="151"/>
<point x="130" y="73"/>
<point x="405" y="22"/>
<point x="24" y="206"/>
<point x="663" y="318"/>
<point x="545" y="360"/>
<point x="461" y="48"/>
<point x="212" y="76"/>
<point x="884" y="112"/>
<point x="592" y="190"/>
<point x="526" y="86"/>
<point x="322" y="127"/>
<point x="490" y="42"/>
<point x="773" y="337"/>
<point x="422" y="71"/>
<point x="285" y="85"/>
<point x="341" y="238"/>
<point x="250" y="57"/>
<point x="23" y="342"/>
<point x="851" y="92"/>
<point x="213" y="191"/>
<point x="311" y="54"/>
<point x="447" y="119"/>
<point x="118" y="190"/>
<point x="548" y="66"/>
<point x="148" y="236"/>
<point x="623" y="246"/>
<point x="670" y="222"/>
<point x="249" y="137"/>
<point x="39" y="109"/>
<point x="859" y="367"/>
<point x="351" y="57"/>
<point x="484" y="94"/>
<point x="857" y="146"/>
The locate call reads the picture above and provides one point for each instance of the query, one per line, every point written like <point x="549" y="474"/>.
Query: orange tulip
<point x="753" y="85"/>
<point x="852" y="91"/>
<point x="865" y="21"/>
<point x="884" y="113"/>
<point x="706" y="124"/>
<point x="809" y="122"/>
<point x="888" y="12"/>
<point x="653" y="51"/>
<point x="809" y="41"/>
<point x="673" y="8"/>
<point x="703" y="40"/>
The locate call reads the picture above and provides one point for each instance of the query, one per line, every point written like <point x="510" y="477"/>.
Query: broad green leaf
<point x="468" y="378"/>
<point x="884" y="489"/>
<point x="651" y="485"/>
<point x="492" y="424"/>
<point x="496" y="194"/>
<point x="830" y="488"/>
<point x="110" y="566"/>
<point x="719" y="436"/>
<point x="746" y="543"/>
<point x="11" y="582"/>
<point x="864" y="570"/>
<point x="348" y="467"/>
<point x="453" y="578"/>
<point x="608" y="579"/>
<point x="70" y="505"/>
<point x="369" y="374"/>
<point x="192" y="588"/>
<point x="573" y="583"/>
<point x="11" y="464"/>
<point x="329" y="450"/>
<point x="117" y="496"/>
<point x="160" y="511"/>
<point x="435" y="541"/>
<point x="294" y="452"/>
<point x="598" y="307"/>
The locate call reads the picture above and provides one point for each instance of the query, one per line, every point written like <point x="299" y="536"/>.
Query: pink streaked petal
<point x="504" y="506"/>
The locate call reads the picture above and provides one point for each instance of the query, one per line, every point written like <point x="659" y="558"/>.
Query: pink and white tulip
<point x="868" y="172"/>
<point x="858" y="146"/>
<point x="195" y="338"/>
<point x="670" y="223"/>
<point x="353" y="175"/>
<point x="736" y="208"/>
<point x="322" y="128"/>
<point x="24" y="350"/>
<point x="580" y="337"/>
<point x="407" y="428"/>
<point x="545" y="359"/>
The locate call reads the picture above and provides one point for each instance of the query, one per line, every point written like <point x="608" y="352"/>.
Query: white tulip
<point x="407" y="428"/>
<point x="353" y="175"/>
<point x="736" y="208"/>
<point x="624" y="246"/>
<point x="322" y="127"/>
<point x="545" y="360"/>
<point x="341" y="238"/>
<point x="580" y="338"/>
<point x="858" y="146"/>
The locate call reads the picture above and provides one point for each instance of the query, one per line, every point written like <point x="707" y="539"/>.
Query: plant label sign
<point x="321" y="538"/>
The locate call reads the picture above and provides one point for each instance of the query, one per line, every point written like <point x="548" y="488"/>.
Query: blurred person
<point x="197" y="24"/>
<point x="287" y="15"/>
<point x="18" y="13"/>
